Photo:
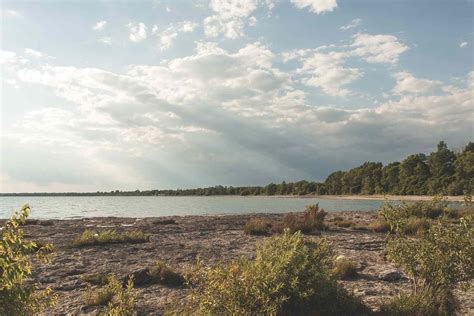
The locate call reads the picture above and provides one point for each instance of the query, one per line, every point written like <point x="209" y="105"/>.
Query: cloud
<point x="316" y="6"/>
<point x="99" y="26"/>
<point x="408" y="84"/>
<point x="137" y="31"/>
<point x="326" y="71"/>
<point x="463" y="44"/>
<point x="169" y="34"/>
<point x="379" y="48"/>
<point x="354" y="23"/>
<point x="34" y="53"/>
<point x="12" y="13"/>
<point x="230" y="17"/>
<point x="105" y="40"/>
<point x="216" y="116"/>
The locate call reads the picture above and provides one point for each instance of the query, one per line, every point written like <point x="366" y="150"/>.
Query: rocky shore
<point x="180" y="240"/>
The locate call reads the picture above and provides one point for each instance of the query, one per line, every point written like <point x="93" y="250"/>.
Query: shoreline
<point x="375" y="197"/>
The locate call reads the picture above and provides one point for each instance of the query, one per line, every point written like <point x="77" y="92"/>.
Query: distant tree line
<point x="441" y="172"/>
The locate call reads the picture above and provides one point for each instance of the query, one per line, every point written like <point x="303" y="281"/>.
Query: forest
<point x="440" y="172"/>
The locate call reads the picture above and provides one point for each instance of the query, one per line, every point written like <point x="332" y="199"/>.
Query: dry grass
<point x="257" y="226"/>
<point x="344" y="268"/>
<point x="161" y="273"/>
<point x="91" y="238"/>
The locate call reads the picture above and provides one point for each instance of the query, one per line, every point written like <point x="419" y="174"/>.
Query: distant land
<point x="440" y="172"/>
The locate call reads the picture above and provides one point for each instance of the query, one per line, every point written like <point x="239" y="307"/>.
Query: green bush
<point x="90" y="238"/>
<point x="119" y="300"/>
<point x="162" y="274"/>
<point x="286" y="276"/>
<point x="17" y="297"/>
<point x="416" y="226"/>
<point x="344" y="268"/>
<point x="441" y="258"/>
<point x="257" y="226"/>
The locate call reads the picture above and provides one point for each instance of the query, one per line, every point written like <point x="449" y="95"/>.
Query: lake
<point x="147" y="206"/>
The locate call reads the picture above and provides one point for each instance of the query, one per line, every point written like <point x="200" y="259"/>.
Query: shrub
<point x="285" y="276"/>
<point x="16" y="297"/>
<point x="344" y="268"/>
<point x="90" y="238"/>
<point x="119" y="300"/>
<point x="436" y="262"/>
<point x="257" y="226"/>
<point x="162" y="274"/>
<point x="313" y="217"/>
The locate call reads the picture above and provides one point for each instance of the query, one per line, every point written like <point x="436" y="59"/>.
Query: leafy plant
<point x="286" y="275"/>
<point x="17" y="297"/>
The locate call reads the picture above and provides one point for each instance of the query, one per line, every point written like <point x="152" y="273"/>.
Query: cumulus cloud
<point x="137" y="31"/>
<point x="406" y="83"/>
<point x="380" y="48"/>
<point x="316" y="6"/>
<point x="99" y="26"/>
<point x="463" y="44"/>
<point x="354" y="23"/>
<point x="230" y="17"/>
<point x="326" y="71"/>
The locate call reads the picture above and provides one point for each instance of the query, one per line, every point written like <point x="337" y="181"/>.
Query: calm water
<point x="145" y="206"/>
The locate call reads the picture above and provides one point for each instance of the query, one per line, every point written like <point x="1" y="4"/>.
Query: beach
<point x="180" y="240"/>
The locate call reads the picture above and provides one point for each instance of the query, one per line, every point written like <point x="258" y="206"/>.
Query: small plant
<point x="124" y="299"/>
<point x="162" y="274"/>
<point x="90" y="238"/>
<point x="344" y="268"/>
<point x="119" y="300"/>
<point x="313" y="217"/>
<point x="17" y="297"/>
<point x="257" y="226"/>
<point x="420" y="304"/>
<point x="286" y="276"/>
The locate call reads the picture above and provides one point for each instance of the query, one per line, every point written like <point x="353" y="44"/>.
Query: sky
<point x="105" y="95"/>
